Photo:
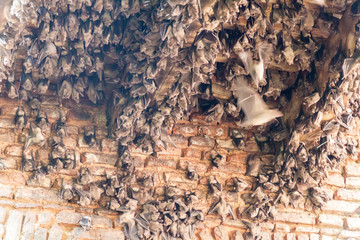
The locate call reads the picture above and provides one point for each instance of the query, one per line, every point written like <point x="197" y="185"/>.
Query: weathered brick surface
<point x="218" y="132"/>
<point x="341" y="206"/>
<point x="352" y="182"/>
<point x="349" y="234"/>
<point x="46" y="195"/>
<point x="314" y="236"/>
<point x="296" y="217"/>
<point x="14" y="150"/>
<point x="352" y="223"/>
<point x="330" y="231"/>
<point x="290" y="236"/>
<point x="352" y="170"/>
<point x="2" y="214"/>
<point x="40" y="234"/>
<point x="43" y="215"/>
<point x="101" y="222"/>
<point x="202" y="141"/>
<point x="186" y="130"/>
<point x="28" y="225"/>
<point x="346" y="194"/>
<point x="335" y="180"/>
<point x="306" y="229"/>
<point x="330" y="220"/>
<point x="303" y="237"/>
<point x="99" y="158"/>
<point x="67" y="217"/>
<point x="43" y="218"/>
<point x="282" y="227"/>
<point x="55" y="232"/>
<point x="278" y="236"/>
<point x="13" y="225"/>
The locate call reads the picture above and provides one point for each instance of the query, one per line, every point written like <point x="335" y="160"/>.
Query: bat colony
<point x="294" y="61"/>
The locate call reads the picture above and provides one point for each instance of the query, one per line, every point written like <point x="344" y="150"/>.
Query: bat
<point x="255" y="109"/>
<point x="256" y="69"/>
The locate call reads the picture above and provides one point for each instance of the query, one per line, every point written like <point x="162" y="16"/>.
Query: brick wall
<point x="29" y="211"/>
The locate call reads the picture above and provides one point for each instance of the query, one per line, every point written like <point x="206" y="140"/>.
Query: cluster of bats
<point x="299" y="57"/>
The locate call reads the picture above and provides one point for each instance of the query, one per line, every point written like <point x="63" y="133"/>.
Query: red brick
<point x="39" y="194"/>
<point x="109" y="145"/>
<point x="185" y="130"/>
<point x="347" y="194"/>
<point x="99" y="158"/>
<point x="51" y="112"/>
<point x="6" y="136"/>
<point x="70" y="142"/>
<point x="77" y="115"/>
<point x="14" y="150"/>
<point x="179" y="140"/>
<point x="155" y="162"/>
<point x="72" y="130"/>
<point x="237" y="158"/>
<point x="170" y="152"/>
<point x="7" y="123"/>
<point x="202" y="141"/>
<point x="10" y="163"/>
<point x="199" y="166"/>
<point x="218" y="132"/>
<point x="296" y="217"/>
<point x="191" y="153"/>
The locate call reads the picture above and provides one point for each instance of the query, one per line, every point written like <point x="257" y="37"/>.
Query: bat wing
<point x="230" y="211"/>
<point x="214" y="207"/>
<point x="249" y="100"/>
<point x="347" y="66"/>
<point x="246" y="60"/>
<point x="265" y="52"/>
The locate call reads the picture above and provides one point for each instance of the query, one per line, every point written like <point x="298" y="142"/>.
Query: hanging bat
<point x="256" y="69"/>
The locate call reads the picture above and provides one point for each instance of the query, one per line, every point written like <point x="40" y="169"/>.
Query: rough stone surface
<point x="203" y="141"/>
<point x="352" y="182"/>
<point x="346" y="194"/>
<point x="13" y="225"/>
<point x="68" y="217"/>
<point x="314" y="236"/>
<point x="330" y="231"/>
<point x="48" y="195"/>
<point x="352" y="170"/>
<point x="40" y="234"/>
<point x="330" y="220"/>
<point x="335" y="180"/>
<point x="340" y="206"/>
<point x="296" y="217"/>
<point x="352" y="223"/>
<point x="278" y="236"/>
<point x="306" y="229"/>
<point x="290" y="236"/>
<point x="55" y="232"/>
<point x="349" y="234"/>
<point x="303" y="237"/>
<point x="282" y="227"/>
<point x="2" y="214"/>
<point x="28" y="225"/>
<point x="44" y="218"/>
<point x="324" y="237"/>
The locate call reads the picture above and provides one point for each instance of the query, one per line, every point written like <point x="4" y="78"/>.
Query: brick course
<point x="38" y="212"/>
